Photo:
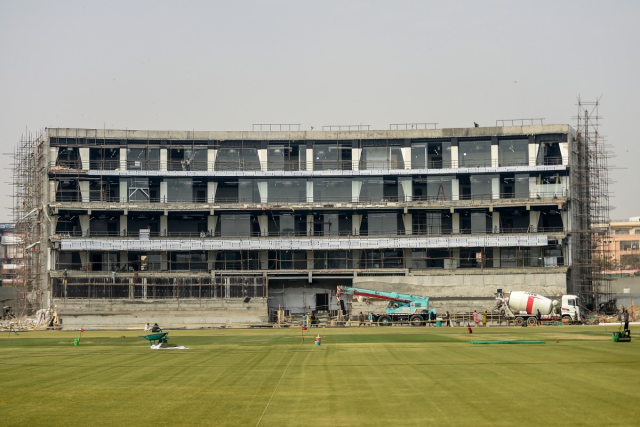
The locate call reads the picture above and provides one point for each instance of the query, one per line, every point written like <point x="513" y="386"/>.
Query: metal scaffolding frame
<point x="590" y="201"/>
<point x="29" y="175"/>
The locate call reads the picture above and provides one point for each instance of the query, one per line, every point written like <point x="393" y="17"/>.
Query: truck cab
<point x="570" y="307"/>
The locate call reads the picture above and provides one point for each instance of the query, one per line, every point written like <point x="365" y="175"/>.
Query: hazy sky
<point x="213" y="65"/>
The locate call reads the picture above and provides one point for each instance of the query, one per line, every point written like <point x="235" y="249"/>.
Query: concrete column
<point x="455" y="262"/>
<point x="356" y="154"/>
<point x="495" y="187"/>
<point x="212" y="187"/>
<point x="84" y="260"/>
<point x="533" y="187"/>
<point x="164" y="225"/>
<point x="212" y="223"/>
<point x="407" y="258"/>
<point x="356" y="186"/>
<point x="533" y="153"/>
<point x="407" y="188"/>
<point x="406" y="157"/>
<point x="454" y="158"/>
<point x="407" y="219"/>
<point x="310" y="260"/>
<point x="211" y="159"/>
<point x="263" y="222"/>
<point x="123" y="159"/>
<point x="84" y="224"/>
<point x="455" y="223"/>
<point x="211" y="260"/>
<point x="53" y="189"/>
<point x="496" y="257"/>
<point x="83" y="152"/>
<point x="564" y="151"/>
<point x="53" y="155"/>
<point x="309" y="225"/>
<point x="123" y="225"/>
<point x="84" y="191"/>
<point x="164" y="261"/>
<point x="356" y="221"/>
<point x="264" y="259"/>
<point x="565" y="218"/>
<point x="163" y="159"/>
<point x="122" y="260"/>
<point x="54" y="224"/>
<point x="534" y="220"/>
<point x="309" y="159"/>
<point x="355" y="258"/>
<point x="263" y="190"/>
<point x="163" y="192"/>
<point x="495" y="156"/>
<point x="124" y="191"/>
<point x="262" y="157"/>
<point x="309" y="191"/>
<point x="455" y="188"/>
<point x="495" y="222"/>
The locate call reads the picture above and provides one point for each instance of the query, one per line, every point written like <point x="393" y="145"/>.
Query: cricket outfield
<point x="374" y="376"/>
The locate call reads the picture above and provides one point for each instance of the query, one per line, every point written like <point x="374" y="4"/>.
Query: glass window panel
<point x="439" y="188"/>
<point x="248" y="191"/>
<point x="434" y="223"/>
<point x="136" y="158"/>
<point x="474" y="153"/>
<point x="382" y="224"/>
<point x="276" y="158"/>
<point x="200" y="159"/>
<point x="154" y="159"/>
<point x="179" y="190"/>
<point x="397" y="159"/>
<point x="372" y="190"/>
<point x="478" y="223"/>
<point x="250" y="159"/>
<point x="330" y="225"/>
<point x="291" y="190"/>
<point x="228" y="159"/>
<point x="332" y="190"/>
<point x="513" y="152"/>
<point x="287" y="224"/>
<point x="522" y="185"/>
<point x="375" y="158"/>
<point x="481" y="186"/>
<point x="419" y="156"/>
<point x="235" y="225"/>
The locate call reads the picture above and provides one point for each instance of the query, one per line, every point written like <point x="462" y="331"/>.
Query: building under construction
<point x="130" y="226"/>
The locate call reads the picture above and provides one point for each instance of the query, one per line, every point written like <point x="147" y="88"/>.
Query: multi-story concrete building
<point x="624" y="244"/>
<point x="202" y="227"/>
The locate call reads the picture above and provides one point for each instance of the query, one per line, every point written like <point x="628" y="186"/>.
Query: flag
<point x="81" y="329"/>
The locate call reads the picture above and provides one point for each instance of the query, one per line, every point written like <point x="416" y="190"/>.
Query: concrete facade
<point x="185" y="226"/>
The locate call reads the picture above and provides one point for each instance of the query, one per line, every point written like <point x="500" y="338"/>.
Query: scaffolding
<point x="29" y="176"/>
<point x="590" y="231"/>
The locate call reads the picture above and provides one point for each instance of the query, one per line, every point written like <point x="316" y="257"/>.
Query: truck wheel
<point x="532" y="321"/>
<point x="384" y="321"/>
<point x="519" y="321"/>
<point x="416" y="320"/>
<point x="566" y="320"/>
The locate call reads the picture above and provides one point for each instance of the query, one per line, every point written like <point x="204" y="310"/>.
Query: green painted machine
<point x="402" y="308"/>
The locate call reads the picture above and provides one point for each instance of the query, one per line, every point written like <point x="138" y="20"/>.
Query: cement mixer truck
<point x="522" y="307"/>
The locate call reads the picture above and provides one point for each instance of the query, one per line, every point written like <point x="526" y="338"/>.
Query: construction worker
<point x="484" y="319"/>
<point x="360" y="319"/>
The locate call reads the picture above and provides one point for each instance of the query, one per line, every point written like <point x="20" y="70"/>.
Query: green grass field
<point x="394" y="376"/>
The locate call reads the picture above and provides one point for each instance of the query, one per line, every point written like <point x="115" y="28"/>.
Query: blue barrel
<point x="438" y="323"/>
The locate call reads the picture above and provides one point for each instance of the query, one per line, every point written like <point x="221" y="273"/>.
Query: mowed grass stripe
<point x="366" y="376"/>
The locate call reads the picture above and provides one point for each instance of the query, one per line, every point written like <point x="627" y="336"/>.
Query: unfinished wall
<point x="467" y="292"/>
<point x="167" y="313"/>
